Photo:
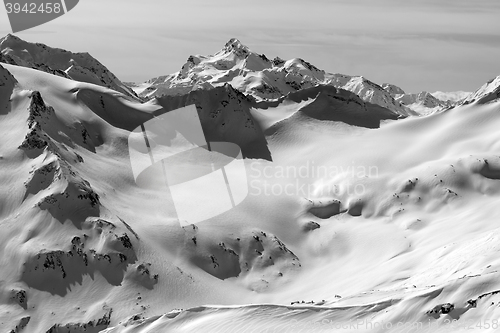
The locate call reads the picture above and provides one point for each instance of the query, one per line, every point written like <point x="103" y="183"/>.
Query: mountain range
<point x="366" y="205"/>
<point x="252" y="74"/>
<point x="256" y="75"/>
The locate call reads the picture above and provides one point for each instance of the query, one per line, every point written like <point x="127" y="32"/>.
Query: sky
<point x="430" y="45"/>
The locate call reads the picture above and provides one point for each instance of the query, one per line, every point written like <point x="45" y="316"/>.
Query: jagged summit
<point x="234" y="45"/>
<point x="256" y="75"/>
<point x="9" y="37"/>
<point x="392" y="89"/>
<point x="490" y="91"/>
<point x="423" y="102"/>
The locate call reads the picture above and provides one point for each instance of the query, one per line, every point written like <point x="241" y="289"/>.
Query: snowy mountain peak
<point x="300" y="64"/>
<point x="79" y="66"/>
<point x="490" y="91"/>
<point x="190" y="63"/>
<point x="392" y="89"/>
<point x="428" y="99"/>
<point x="236" y="47"/>
<point x="256" y="75"/>
<point x="495" y="81"/>
<point x="423" y="102"/>
<point x="277" y="61"/>
<point x="9" y="36"/>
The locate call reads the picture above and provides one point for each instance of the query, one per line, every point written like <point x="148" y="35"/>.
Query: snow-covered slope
<point x="75" y="263"/>
<point x="354" y="214"/>
<point x="255" y="75"/>
<point x="77" y="66"/>
<point x="490" y="91"/>
<point x="400" y="226"/>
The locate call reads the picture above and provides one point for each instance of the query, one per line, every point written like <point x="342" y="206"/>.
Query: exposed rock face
<point x="66" y="195"/>
<point x="422" y="100"/>
<point x="20" y="297"/>
<point x="7" y="84"/>
<point x="92" y="326"/>
<point x="258" y="258"/>
<point x="225" y="116"/>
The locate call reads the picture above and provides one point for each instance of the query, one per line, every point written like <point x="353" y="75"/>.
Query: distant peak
<point x="234" y="45"/>
<point x="277" y="61"/>
<point x="490" y="91"/>
<point x="392" y="89"/>
<point x="7" y="37"/>
<point x="11" y="36"/>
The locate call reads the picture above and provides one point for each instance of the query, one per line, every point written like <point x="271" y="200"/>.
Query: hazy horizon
<point x="420" y="45"/>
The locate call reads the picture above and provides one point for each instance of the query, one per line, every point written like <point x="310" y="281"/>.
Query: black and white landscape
<point x="369" y="208"/>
